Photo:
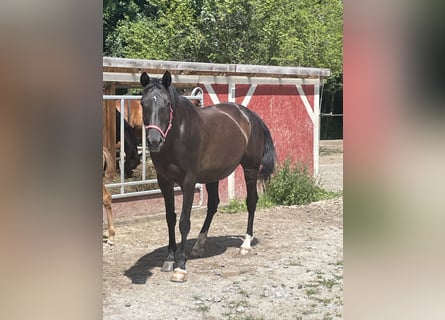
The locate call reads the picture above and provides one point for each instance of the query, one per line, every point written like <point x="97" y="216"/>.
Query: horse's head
<point x="157" y="111"/>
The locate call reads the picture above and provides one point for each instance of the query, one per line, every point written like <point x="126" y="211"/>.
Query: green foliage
<point x="138" y="38"/>
<point x="233" y="206"/>
<point x="293" y="185"/>
<point x="268" y="32"/>
<point x="236" y="205"/>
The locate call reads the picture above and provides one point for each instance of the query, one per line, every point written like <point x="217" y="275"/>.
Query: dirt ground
<point x="294" y="271"/>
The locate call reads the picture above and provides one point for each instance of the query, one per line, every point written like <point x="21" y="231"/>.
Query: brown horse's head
<point x="157" y="109"/>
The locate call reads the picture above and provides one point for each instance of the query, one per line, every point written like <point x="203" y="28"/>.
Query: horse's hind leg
<point x="106" y="200"/>
<point x="212" y="207"/>
<point x="251" y="176"/>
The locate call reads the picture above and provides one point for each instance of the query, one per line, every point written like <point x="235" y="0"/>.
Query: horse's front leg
<point x="170" y="215"/>
<point x="184" y="227"/>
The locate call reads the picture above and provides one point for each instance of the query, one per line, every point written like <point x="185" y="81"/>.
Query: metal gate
<point x="123" y="185"/>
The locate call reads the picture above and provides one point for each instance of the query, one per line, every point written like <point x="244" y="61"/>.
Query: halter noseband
<point x="164" y="134"/>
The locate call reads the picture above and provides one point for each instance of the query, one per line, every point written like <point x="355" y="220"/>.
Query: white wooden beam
<point x="217" y="69"/>
<point x="133" y="79"/>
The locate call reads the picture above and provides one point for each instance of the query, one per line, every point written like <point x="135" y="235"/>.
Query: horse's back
<point x="225" y="122"/>
<point x="227" y="114"/>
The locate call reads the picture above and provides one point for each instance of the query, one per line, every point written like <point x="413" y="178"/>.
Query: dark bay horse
<point x="190" y="145"/>
<point x="132" y="158"/>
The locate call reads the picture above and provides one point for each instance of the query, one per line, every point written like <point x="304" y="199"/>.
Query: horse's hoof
<point x="244" y="251"/>
<point x="179" y="275"/>
<point x="168" y="266"/>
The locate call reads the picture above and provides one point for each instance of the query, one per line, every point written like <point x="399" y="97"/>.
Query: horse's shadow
<point x="141" y="270"/>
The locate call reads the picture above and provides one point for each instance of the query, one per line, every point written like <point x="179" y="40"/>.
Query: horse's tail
<point x="269" y="154"/>
<point x="108" y="163"/>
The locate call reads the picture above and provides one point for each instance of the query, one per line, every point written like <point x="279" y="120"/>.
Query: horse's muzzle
<point x="154" y="150"/>
<point x="155" y="141"/>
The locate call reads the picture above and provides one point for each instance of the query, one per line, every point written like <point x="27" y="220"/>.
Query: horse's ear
<point x="145" y="79"/>
<point x="167" y="79"/>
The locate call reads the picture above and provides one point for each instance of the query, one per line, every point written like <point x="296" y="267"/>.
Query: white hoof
<point x="179" y="275"/>
<point x="245" y="247"/>
<point x="244" y="251"/>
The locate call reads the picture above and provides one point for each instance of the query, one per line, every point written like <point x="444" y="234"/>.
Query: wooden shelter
<point x="287" y="98"/>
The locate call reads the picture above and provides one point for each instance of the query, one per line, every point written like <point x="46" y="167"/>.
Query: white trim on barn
<point x="314" y="115"/>
<point x="231" y="178"/>
<point x="249" y="95"/>
<point x="306" y="103"/>
<point x="317" y="108"/>
<point x="211" y="93"/>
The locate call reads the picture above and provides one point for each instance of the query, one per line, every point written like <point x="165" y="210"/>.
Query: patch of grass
<point x="328" y="283"/>
<point x="338" y="263"/>
<point x="250" y="317"/>
<point x="312" y="291"/>
<point x="233" y="206"/>
<point x="294" y="185"/>
<point x="203" y="308"/>
<point x="239" y="303"/>
<point x="242" y="317"/>
<point x="325" y="301"/>
<point x="327" y="316"/>
<point x="233" y="314"/>
<point x="244" y="293"/>
<point x="307" y="312"/>
<point x="237" y="205"/>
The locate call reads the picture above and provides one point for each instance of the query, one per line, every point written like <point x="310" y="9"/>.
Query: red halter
<point x="164" y="134"/>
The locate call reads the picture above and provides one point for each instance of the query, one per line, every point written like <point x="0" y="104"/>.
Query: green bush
<point x="291" y="185"/>
<point x="294" y="185"/>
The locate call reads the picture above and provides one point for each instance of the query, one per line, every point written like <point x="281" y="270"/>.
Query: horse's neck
<point x="186" y="113"/>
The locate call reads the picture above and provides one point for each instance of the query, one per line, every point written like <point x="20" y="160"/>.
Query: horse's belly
<point x="220" y="156"/>
<point x="215" y="175"/>
<point x="218" y="166"/>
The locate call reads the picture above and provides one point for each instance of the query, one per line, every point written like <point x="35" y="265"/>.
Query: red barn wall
<point x="283" y="111"/>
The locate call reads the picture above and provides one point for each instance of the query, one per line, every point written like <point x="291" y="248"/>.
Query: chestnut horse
<point x="108" y="167"/>
<point x="190" y="145"/>
<point x="132" y="114"/>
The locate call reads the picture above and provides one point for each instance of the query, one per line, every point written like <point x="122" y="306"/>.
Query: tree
<point x="268" y="32"/>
